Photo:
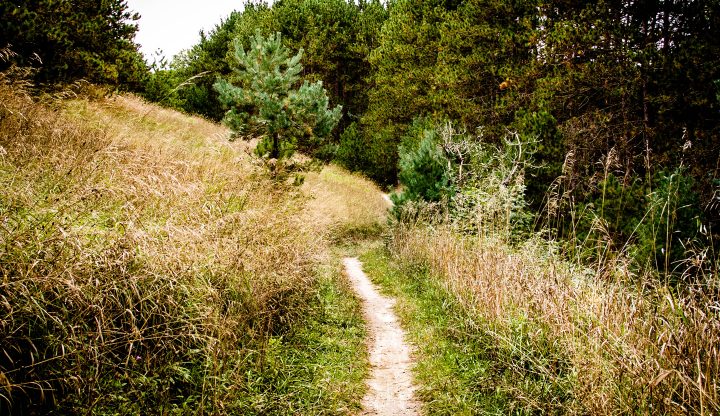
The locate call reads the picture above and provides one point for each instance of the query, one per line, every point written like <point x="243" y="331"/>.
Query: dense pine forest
<point x="553" y="167"/>
<point x="616" y="101"/>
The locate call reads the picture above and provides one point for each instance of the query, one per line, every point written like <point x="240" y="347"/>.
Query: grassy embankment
<point x="519" y="330"/>
<point x="148" y="268"/>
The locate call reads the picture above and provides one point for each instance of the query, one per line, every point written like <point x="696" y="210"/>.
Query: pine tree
<point x="70" y="40"/>
<point x="263" y="100"/>
<point x="424" y="171"/>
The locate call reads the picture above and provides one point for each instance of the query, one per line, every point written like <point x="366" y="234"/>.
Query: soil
<point x="387" y="199"/>
<point x="390" y="387"/>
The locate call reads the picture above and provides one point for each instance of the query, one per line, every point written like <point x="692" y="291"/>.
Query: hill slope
<point x="148" y="266"/>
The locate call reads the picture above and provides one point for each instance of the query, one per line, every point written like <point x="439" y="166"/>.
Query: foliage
<point x="541" y="124"/>
<point x="163" y="85"/>
<point x="336" y="37"/>
<point x="481" y="185"/>
<point x="492" y="197"/>
<point x="351" y="149"/>
<point x="609" y="89"/>
<point x="672" y="223"/>
<point x="593" y="82"/>
<point x="70" y="40"/>
<point x="424" y="171"/>
<point x="446" y="60"/>
<point x="377" y="155"/>
<point x="369" y="153"/>
<point x="208" y="60"/>
<point x="266" y="103"/>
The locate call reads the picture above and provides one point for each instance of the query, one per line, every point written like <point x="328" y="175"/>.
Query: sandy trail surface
<point x="390" y="386"/>
<point x="387" y="199"/>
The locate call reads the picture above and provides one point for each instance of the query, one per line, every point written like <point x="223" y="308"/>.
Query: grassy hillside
<point x="148" y="267"/>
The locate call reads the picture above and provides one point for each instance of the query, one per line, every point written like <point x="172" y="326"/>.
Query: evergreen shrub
<point x="263" y="99"/>
<point x="424" y="171"/>
<point x="480" y="185"/>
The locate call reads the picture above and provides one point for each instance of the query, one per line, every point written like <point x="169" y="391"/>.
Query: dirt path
<point x="387" y="199"/>
<point x="390" y="387"/>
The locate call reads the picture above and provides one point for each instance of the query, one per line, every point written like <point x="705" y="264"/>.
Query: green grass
<point x="461" y="368"/>
<point x="320" y="367"/>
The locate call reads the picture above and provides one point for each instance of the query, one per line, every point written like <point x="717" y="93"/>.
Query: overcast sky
<point x="174" y="25"/>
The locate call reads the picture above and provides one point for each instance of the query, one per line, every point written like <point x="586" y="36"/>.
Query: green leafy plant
<point x="481" y="185"/>
<point x="672" y="222"/>
<point x="424" y="171"/>
<point x="263" y="100"/>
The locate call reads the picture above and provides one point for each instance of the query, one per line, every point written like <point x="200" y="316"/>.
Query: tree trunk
<point x="275" y="152"/>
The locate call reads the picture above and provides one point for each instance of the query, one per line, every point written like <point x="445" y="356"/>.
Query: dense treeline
<point x="619" y="98"/>
<point x="70" y="40"/>
<point x="619" y="94"/>
<point x="336" y="36"/>
<point x="616" y="100"/>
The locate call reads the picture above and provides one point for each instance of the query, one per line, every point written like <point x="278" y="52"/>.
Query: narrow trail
<point x="387" y="199"/>
<point x="390" y="386"/>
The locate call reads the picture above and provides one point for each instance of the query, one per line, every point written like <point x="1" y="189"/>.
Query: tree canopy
<point x="69" y="40"/>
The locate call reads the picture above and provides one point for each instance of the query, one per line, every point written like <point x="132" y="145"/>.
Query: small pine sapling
<point x="264" y="100"/>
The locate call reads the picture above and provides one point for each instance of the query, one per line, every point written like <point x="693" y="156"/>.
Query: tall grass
<point x="566" y="339"/>
<point x="145" y="264"/>
<point x="562" y="334"/>
<point x="349" y="207"/>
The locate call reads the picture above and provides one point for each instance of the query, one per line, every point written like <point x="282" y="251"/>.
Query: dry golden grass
<point x="144" y="261"/>
<point x="348" y="205"/>
<point x="608" y="344"/>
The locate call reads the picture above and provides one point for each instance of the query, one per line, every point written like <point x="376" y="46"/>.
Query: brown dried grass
<point x="347" y="205"/>
<point x="144" y="262"/>
<point x="612" y="343"/>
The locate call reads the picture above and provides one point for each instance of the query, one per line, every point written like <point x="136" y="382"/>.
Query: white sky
<point x="174" y="25"/>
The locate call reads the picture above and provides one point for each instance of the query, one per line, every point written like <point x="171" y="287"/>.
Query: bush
<point x="372" y="153"/>
<point x="424" y="171"/>
<point x="672" y="222"/>
<point x="72" y="40"/>
<point x="351" y="150"/>
<point x="481" y="186"/>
